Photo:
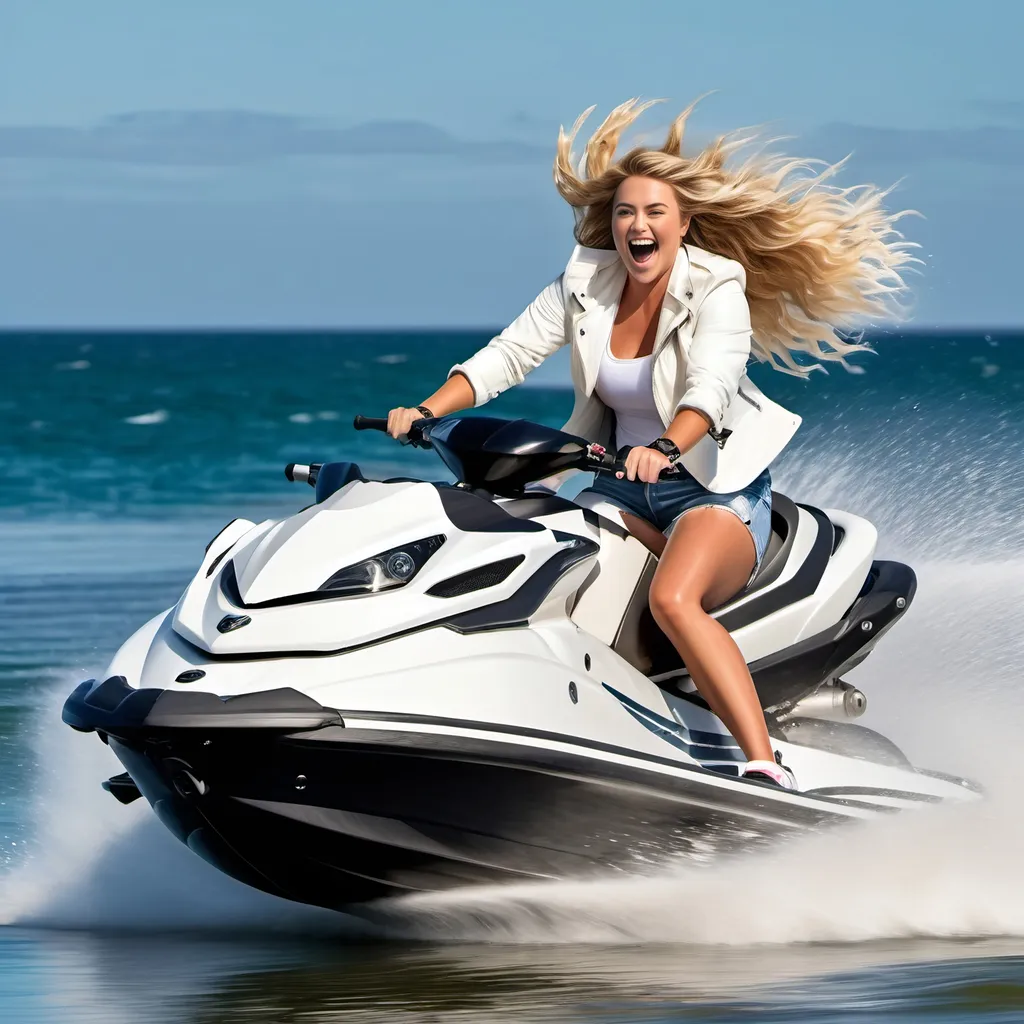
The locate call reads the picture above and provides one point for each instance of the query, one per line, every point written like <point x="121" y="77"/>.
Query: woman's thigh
<point x="709" y="558"/>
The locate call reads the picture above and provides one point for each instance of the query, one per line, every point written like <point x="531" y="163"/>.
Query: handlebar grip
<point x="609" y="463"/>
<point x="370" y="423"/>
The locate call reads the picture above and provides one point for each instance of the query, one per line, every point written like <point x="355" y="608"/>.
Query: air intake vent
<point x="840" y="533"/>
<point x="485" y="576"/>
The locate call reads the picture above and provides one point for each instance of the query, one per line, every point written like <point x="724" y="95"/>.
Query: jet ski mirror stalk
<point x="296" y="472"/>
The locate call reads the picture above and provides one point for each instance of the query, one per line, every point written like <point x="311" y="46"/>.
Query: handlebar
<point x="614" y="462"/>
<point x="371" y="423"/>
<point x="597" y="458"/>
<point x="415" y="436"/>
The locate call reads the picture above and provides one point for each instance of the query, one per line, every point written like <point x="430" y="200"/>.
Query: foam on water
<point x="149" y="419"/>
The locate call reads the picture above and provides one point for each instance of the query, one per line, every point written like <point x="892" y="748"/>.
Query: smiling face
<point x="647" y="227"/>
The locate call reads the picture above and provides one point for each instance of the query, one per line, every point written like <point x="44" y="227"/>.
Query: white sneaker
<point x="770" y="772"/>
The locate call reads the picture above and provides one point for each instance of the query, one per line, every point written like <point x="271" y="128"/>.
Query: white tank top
<point x="625" y="386"/>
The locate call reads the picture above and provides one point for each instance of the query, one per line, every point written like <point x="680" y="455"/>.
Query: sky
<point x="342" y="164"/>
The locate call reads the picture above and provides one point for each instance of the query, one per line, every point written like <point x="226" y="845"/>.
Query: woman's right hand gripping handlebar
<point x="400" y="420"/>
<point x="454" y="394"/>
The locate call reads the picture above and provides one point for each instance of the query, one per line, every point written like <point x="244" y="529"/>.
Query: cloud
<point x="224" y="137"/>
<point x="909" y="147"/>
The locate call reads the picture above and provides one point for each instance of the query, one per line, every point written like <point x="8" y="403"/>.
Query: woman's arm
<point x="537" y="332"/>
<point x="454" y="394"/>
<point x="718" y="354"/>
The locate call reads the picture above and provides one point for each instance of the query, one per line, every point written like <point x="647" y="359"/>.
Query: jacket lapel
<point x="594" y="286"/>
<point x="677" y="307"/>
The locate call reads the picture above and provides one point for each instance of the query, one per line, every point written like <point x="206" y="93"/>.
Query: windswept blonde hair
<point x="819" y="259"/>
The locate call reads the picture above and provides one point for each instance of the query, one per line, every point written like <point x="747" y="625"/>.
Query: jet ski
<point x="411" y="686"/>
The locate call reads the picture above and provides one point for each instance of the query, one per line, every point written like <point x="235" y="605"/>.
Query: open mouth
<point x="643" y="249"/>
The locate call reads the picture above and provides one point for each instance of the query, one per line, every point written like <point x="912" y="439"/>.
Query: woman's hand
<point x="644" y="464"/>
<point x="400" y="420"/>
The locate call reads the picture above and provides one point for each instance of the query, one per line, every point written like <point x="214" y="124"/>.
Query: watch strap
<point x="668" y="448"/>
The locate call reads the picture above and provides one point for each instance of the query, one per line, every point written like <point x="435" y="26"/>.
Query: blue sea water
<point x="122" y="454"/>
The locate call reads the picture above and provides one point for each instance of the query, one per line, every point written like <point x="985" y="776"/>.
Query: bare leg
<point x="708" y="559"/>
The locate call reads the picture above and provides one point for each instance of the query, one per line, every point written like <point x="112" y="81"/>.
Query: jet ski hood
<point x="371" y="560"/>
<point x="298" y="555"/>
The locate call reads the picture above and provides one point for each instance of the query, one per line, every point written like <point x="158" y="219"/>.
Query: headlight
<point x="391" y="568"/>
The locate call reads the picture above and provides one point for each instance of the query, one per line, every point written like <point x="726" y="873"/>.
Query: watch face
<point x="666" y="447"/>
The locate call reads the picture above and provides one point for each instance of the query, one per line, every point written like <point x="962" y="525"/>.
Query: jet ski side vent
<point x="480" y="578"/>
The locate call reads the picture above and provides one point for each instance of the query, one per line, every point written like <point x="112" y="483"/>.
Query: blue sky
<point x="258" y="163"/>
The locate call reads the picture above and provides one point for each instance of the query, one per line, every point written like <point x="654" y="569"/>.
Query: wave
<point x="147" y="419"/>
<point x="326" y="415"/>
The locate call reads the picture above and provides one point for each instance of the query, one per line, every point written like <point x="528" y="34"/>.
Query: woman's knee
<point x="673" y="604"/>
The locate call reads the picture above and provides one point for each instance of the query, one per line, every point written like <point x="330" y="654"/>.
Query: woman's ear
<point x="683" y="229"/>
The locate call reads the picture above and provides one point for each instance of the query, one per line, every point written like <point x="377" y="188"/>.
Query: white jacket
<point x="700" y="357"/>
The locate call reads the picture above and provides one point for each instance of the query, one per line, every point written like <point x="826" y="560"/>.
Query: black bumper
<point x="113" y="708"/>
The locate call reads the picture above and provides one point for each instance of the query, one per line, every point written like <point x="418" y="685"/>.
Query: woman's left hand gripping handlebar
<point x="645" y="465"/>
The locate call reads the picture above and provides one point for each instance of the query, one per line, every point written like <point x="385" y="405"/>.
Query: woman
<point x="684" y="269"/>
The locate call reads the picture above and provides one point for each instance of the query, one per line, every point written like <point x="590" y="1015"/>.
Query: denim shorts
<point x="662" y="504"/>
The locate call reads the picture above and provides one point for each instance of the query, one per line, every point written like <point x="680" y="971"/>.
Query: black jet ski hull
<point x="281" y="793"/>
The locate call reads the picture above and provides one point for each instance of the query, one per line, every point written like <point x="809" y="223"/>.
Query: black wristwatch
<point x="668" y="448"/>
<point x="426" y="412"/>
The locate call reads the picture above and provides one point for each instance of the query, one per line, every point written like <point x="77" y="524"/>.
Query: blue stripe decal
<point x="700" y="745"/>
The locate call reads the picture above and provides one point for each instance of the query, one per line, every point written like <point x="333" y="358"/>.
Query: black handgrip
<point x="371" y="423"/>
<point x="609" y="462"/>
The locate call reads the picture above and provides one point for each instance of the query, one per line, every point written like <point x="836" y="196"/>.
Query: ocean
<point x="122" y="454"/>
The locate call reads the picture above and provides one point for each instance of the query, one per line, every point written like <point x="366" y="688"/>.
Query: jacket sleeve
<point x="718" y="353"/>
<point x="506" y="360"/>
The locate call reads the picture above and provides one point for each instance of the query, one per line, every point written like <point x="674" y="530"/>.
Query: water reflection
<point x="202" y="980"/>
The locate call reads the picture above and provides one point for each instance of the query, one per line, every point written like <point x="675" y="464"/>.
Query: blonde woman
<point x="686" y="268"/>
